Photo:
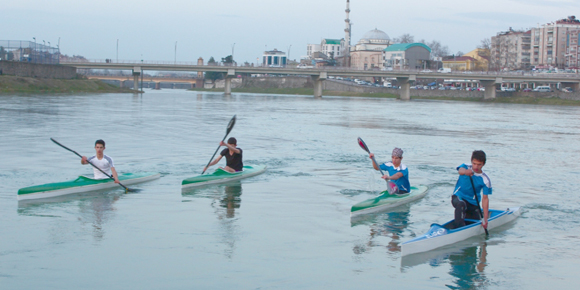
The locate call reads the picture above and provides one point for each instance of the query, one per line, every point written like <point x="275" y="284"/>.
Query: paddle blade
<point x="231" y="124"/>
<point x="362" y="145"/>
<point x="392" y="188"/>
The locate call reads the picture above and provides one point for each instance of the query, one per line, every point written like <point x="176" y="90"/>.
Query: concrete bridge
<point x="194" y="82"/>
<point x="489" y="80"/>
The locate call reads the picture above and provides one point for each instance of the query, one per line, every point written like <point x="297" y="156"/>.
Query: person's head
<point x="397" y="156"/>
<point x="232" y="141"/>
<point x="478" y="160"/>
<point x="100" y="146"/>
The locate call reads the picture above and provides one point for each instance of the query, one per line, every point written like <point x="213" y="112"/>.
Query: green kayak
<point x="386" y="201"/>
<point x="82" y="184"/>
<point x="220" y="176"/>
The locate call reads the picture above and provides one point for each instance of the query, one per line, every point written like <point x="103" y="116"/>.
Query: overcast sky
<point x="149" y="29"/>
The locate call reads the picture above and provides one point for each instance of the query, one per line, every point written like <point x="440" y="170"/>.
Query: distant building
<point x="459" y="63"/>
<point x="274" y="58"/>
<point x="28" y="51"/>
<point x="331" y="48"/>
<point x="481" y="57"/>
<point x="511" y="50"/>
<point x="368" y="52"/>
<point x="549" y="42"/>
<point x="572" y="49"/>
<point x="406" y="56"/>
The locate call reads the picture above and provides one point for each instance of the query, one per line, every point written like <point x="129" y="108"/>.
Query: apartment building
<point x="572" y="56"/>
<point x="511" y="50"/>
<point x="549" y="42"/>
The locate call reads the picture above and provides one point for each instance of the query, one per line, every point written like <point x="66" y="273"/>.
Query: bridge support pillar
<point x="136" y="74"/>
<point x="318" y="79"/>
<point x="574" y="86"/>
<point x="228" y="85"/>
<point x="489" y="86"/>
<point x="158" y="85"/>
<point x="121" y="83"/>
<point x="405" y="83"/>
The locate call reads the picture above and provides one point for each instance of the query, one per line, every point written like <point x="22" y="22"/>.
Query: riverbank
<point x="554" y="101"/>
<point x="299" y="91"/>
<point x="28" y="85"/>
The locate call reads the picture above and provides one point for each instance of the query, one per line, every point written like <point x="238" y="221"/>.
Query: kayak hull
<point x="82" y="184"/>
<point x="222" y="176"/>
<point x="440" y="236"/>
<point x="386" y="201"/>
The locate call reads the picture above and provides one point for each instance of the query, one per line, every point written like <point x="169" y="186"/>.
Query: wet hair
<point x="100" y="141"/>
<point x="232" y="140"/>
<point x="478" y="155"/>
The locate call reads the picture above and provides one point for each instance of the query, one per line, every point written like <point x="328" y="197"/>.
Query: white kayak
<point x="82" y="184"/>
<point x="440" y="235"/>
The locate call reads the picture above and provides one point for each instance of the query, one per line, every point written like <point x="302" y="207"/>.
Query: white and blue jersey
<point x="104" y="164"/>
<point x="464" y="190"/>
<point x="402" y="182"/>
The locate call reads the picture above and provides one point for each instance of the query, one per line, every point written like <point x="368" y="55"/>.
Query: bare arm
<point x="464" y="171"/>
<point x="231" y="147"/>
<point x="485" y="205"/>
<point x="375" y="165"/>
<point x="395" y="176"/>
<point x="115" y="176"/>
<point x="214" y="162"/>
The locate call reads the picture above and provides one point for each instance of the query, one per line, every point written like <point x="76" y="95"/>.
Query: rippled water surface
<point x="289" y="228"/>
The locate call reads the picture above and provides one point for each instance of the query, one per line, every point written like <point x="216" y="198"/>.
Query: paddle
<point x="362" y="145"/>
<point x="126" y="189"/>
<point x="228" y="130"/>
<point x="478" y="207"/>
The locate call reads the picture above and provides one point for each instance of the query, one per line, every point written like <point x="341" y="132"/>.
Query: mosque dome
<point x="375" y="36"/>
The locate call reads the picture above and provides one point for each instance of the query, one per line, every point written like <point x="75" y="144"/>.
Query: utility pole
<point x="175" y="58"/>
<point x="233" y="46"/>
<point x="117" y="50"/>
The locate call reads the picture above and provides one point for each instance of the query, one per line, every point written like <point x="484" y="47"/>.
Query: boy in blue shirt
<point x="463" y="198"/>
<point x="397" y="172"/>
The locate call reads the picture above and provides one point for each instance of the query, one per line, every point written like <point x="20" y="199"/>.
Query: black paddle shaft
<point x="228" y="130"/>
<point x="126" y="189"/>
<point x="362" y="145"/>
<point x="478" y="207"/>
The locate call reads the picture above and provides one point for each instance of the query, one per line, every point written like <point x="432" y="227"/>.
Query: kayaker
<point x="463" y="199"/>
<point x="233" y="156"/>
<point x="102" y="161"/>
<point x="397" y="172"/>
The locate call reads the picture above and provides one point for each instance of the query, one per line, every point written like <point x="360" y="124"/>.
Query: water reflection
<point x="95" y="208"/>
<point x="226" y="200"/>
<point x="467" y="263"/>
<point x="390" y="224"/>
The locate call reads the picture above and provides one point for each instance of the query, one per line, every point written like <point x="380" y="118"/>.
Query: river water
<point x="289" y="228"/>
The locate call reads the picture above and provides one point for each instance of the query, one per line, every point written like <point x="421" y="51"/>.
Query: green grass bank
<point x="309" y="91"/>
<point x="27" y="85"/>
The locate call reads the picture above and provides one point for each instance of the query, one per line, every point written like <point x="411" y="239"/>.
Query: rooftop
<point x="405" y="46"/>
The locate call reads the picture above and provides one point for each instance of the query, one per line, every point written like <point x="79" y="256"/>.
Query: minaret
<point x="347" y="31"/>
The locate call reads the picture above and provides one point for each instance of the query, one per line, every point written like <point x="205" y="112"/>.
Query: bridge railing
<point x="342" y="69"/>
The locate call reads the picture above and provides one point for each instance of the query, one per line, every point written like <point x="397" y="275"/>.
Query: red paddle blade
<point x="362" y="145"/>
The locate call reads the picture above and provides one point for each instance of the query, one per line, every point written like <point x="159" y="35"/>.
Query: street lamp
<point x="175" y="58"/>
<point x="288" y="59"/>
<point x="233" y="46"/>
<point x="117" y="50"/>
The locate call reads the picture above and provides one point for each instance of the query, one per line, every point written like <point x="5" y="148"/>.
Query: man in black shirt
<point x="233" y="156"/>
